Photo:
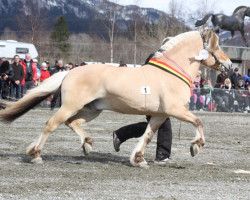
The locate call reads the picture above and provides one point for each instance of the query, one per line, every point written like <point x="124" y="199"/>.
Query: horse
<point x="230" y="23"/>
<point x="160" y="89"/>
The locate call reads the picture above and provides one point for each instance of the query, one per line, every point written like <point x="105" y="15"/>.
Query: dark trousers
<point x="27" y="86"/>
<point x="56" y="96"/>
<point x="15" y="91"/>
<point x="164" y="137"/>
<point x="4" y="89"/>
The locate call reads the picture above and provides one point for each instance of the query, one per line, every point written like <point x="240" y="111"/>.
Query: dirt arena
<point x="220" y="171"/>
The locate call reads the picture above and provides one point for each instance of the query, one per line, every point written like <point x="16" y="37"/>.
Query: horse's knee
<point x="198" y="123"/>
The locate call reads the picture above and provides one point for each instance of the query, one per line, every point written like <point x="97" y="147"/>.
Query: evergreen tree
<point x="60" y="36"/>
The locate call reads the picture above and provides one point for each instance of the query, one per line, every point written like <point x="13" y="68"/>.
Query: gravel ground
<point x="220" y="171"/>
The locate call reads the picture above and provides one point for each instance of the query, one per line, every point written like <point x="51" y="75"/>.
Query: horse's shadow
<point x="92" y="157"/>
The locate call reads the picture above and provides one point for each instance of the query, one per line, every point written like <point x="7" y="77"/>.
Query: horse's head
<point x="213" y="56"/>
<point x="248" y="12"/>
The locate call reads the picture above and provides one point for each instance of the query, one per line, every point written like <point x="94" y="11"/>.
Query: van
<point x="10" y="48"/>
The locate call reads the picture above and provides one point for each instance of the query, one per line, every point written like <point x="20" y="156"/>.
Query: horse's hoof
<point x="37" y="160"/>
<point x="194" y="149"/>
<point x="87" y="148"/>
<point x="143" y="164"/>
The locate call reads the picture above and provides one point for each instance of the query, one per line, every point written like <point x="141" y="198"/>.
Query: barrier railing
<point x="219" y="100"/>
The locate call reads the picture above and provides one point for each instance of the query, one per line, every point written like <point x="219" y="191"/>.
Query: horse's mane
<point x="238" y="8"/>
<point x="172" y="42"/>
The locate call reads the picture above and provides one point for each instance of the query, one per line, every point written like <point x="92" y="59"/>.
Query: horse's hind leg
<point x="60" y="116"/>
<point x="75" y="124"/>
<point x="199" y="140"/>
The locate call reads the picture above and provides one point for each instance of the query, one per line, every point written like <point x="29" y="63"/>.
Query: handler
<point x="164" y="137"/>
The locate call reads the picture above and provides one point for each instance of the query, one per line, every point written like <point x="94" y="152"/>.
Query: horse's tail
<point x="203" y="21"/>
<point x="14" y="110"/>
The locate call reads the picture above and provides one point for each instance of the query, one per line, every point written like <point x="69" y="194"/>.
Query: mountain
<point x="82" y="15"/>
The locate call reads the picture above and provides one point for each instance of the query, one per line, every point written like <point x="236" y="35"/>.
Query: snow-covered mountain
<point x="75" y="10"/>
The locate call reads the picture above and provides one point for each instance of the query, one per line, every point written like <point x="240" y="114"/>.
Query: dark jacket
<point x="234" y="79"/>
<point x="18" y="72"/>
<point x="6" y="69"/>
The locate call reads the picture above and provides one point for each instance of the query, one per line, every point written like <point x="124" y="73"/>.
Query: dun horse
<point x="160" y="89"/>
<point x="230" y="23"/>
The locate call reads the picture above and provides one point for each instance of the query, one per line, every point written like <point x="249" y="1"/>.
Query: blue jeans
<point x="15" y="91"/>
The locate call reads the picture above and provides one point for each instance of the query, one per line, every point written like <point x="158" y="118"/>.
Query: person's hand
<point x="5" y="77"/>
<point x="17" y="82"/>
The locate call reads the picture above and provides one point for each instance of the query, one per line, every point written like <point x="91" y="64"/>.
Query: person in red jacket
<point x="44" y="72"/>
<point x="30" y="73"/>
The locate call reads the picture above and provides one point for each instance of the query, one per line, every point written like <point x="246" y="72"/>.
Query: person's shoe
<point x="162" y="161"/>
<point x="116" y="142"/>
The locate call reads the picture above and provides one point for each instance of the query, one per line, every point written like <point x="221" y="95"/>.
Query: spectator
<point x="229" y="93"/>
<point x="71" y="65"/>
<point x="30" y="73"/>
<point x="220" y="97"/>
<point x="76" y="65"/>
<point x="83" y="63"/>
<point x="122" y="64"/>
<point x="48" y="67"/>
<point x="246" y="78"/>
<point x="241" y="96"/>
<point x="205" y="89"/>
<point x="198" y="77"/>
<point x="192" y="105"/>
<point x="199" y="100"/>
<point x="67" y="67"/>
<point x="6" y="74"/>
<point x="44" y="72"/>
<point x="235" y="77"/>
<point x="18" y="75"/>
<point x="38" y="71"/>
<point x="58" y="68"/>
<point x="222" y="77"/>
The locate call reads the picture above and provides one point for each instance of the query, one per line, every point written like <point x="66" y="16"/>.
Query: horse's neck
<point x="240" y="13"/>
<point x="184" y="63"/>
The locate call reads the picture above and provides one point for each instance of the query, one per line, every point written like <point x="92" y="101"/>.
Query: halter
<point x="212" y="53"/>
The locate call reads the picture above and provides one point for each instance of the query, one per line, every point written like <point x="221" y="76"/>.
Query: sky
<point x="218" y="6"/>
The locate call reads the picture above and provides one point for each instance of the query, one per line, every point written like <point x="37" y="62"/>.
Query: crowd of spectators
<point x="17" y="76"/>
<point x="229" y="94"/>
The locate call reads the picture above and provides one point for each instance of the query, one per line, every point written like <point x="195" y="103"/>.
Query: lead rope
<point x="165" y="55"/>
<point x="145" y="85"/>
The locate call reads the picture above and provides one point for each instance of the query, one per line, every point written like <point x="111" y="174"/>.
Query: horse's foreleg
<point x="75" y="124"/>
<point x="199" y="140"/>
<point x="243" y="36"/>
<point x="137" y="156"/>
<point x="35" y="148"/>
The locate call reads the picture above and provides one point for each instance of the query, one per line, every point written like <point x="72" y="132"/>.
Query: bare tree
<point x="34" y="21"/>
<point x="111" y="12"/>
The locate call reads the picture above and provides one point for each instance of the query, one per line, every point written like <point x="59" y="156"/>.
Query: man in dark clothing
<point x="57" y="68"/>
<point x="6" y="74"/>
<point x="18" y="75"/>
<point x="235" y="77"/>
<point x="222" y="77"/>
<point x="164" y="137"/>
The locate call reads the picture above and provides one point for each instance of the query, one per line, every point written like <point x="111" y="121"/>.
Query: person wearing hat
<point x="246" y="78"/>
<point x="235" y="77"/>
<point x="241" y="96"/>
<point x="6" y="74"/>
<point x="44" y="72"/>
<point x="222" y="77"/>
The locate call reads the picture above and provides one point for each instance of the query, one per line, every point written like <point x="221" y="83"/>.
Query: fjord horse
<point x="160" y="89"/>
<point x="230" y="23"/>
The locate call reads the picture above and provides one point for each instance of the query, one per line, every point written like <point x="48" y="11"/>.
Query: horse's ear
<point x="212" y="40"/>
<point x="201" y="29"/>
